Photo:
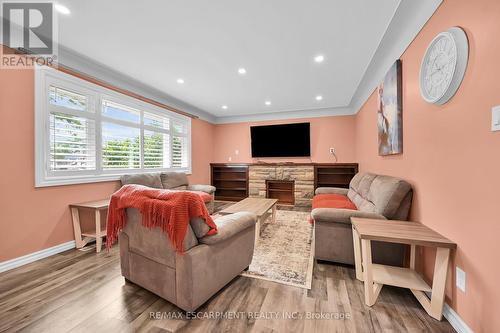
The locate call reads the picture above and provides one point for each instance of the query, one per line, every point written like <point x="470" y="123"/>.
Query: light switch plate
<point x="495" y="118"/>
<point x="461" y="277"/>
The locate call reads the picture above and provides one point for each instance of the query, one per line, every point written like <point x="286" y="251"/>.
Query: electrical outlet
<point x="236" y="152"/>
<point x="332" y="150"/>
<point x="461" y="278"/>
<point x="495" y="118"/>
<point x="229" y="159"/>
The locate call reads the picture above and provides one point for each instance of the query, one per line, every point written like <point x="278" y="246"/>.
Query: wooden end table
<point x="83" y="238"/>
<point x="261" y="207"/>
<point x="412" y="233"/>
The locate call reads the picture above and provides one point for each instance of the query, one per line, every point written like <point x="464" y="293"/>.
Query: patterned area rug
<point x="284" y="252"/>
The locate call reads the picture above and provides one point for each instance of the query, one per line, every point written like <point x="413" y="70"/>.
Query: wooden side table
<point x="412" y="233"/>
<point x="83" y="238"/>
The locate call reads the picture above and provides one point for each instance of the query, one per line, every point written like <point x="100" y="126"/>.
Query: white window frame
<point x="44" y="78"/>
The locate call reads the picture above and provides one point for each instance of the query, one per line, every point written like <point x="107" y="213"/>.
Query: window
<point x="87" y="133"/>
<point x="72" y="142"/>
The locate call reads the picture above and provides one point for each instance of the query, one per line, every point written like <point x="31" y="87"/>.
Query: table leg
<point x="413" y="250"/>
<point x="357" y="255"/>
<point x="75" y="216"/>
<point x="257" y="231"/>
<point x="273" y="216"/>
<point x="439" y="282"/>
<point x="98" y="236"/>
<point x="372" y="289"/>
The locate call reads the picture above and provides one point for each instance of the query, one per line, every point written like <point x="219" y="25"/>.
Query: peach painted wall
<point x="202" y="142"/>
<point x="326" y="132"/>
<point x="452" y="158"/>
<point x="33" y="219"/>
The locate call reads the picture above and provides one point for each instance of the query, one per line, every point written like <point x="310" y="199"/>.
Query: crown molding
<point x="409" y="19"/>
<point x="296" y="114"/>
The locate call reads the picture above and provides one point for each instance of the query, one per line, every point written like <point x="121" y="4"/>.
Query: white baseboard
<point x="26" y="259"/>
<point x="454" y="319"/>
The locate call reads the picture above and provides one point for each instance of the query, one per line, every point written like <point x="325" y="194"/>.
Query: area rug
<point x="284" y="252"/>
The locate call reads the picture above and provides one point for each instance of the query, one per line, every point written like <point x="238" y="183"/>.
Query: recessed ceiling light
<point x="224" y="107"/>
<point x="242" y="71"/>
<point x="319" y="58"/>
<point x="267" y="103"/>
<point x="62" y="9"/>
<point x="180" y="81"/>
<point x="319" y="98"/>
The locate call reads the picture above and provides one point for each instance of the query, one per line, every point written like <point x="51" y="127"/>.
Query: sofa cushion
<point x="202" y="188"/>
<point x="358" y="191"/>
<point x="153" y="243"/>
<point x="379" y="194"/>
<point x="204" y="196"/>
<point x="331" y="190"/>
<point x="174" y="180"/>
<point x="387" y="194"/>
<point x="363" y="204"/>
<point x="200" y="228"/>
<point x="230" y="225"/>
<point x="360" y="185"/>
<point x="332" y="201"/>
<point x="341" y="215"/>
<point x="145" y="179"/>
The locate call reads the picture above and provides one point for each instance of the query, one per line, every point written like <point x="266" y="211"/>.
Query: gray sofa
<point x="171" y="181"/>
<point x="208" y="263"/>
<point x="375" y="196"/>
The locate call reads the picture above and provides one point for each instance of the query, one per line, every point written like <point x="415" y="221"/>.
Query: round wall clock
<point x="443" y="67"/>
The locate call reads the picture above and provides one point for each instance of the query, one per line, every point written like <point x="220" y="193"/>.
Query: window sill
<point x="60" y="181"/>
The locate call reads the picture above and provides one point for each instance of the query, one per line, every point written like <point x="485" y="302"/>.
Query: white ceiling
<point x="205" y="42"/>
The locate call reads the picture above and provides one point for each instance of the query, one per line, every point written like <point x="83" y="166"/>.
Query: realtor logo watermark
<point x="28" y="27"/>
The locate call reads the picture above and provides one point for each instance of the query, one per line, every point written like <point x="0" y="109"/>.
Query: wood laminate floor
<point x="78" y="291"/>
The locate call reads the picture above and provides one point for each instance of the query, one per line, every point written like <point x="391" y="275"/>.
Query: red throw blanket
<point x="170" y="210"/>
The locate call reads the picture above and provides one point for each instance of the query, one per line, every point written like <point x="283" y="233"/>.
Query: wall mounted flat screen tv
<point x="288" y="140"/>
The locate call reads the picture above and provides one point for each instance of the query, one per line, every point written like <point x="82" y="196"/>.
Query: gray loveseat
<point x="171" y="181"/>
<point x="375" y="196"/>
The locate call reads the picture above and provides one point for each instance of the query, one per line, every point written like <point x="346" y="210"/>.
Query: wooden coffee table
<point x="261" y="207"/>
<point x="374" y="276"/>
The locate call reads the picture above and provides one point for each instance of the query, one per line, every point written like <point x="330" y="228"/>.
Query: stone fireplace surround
<point x="303" y="175"/>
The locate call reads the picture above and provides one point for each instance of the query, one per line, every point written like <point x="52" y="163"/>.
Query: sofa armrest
<point x="204" y="269"/>
<point x="230" y="225"/>
<point x="331" y="190"/>
<point x="341" y="215"/>
<point x="202" y="188"/>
